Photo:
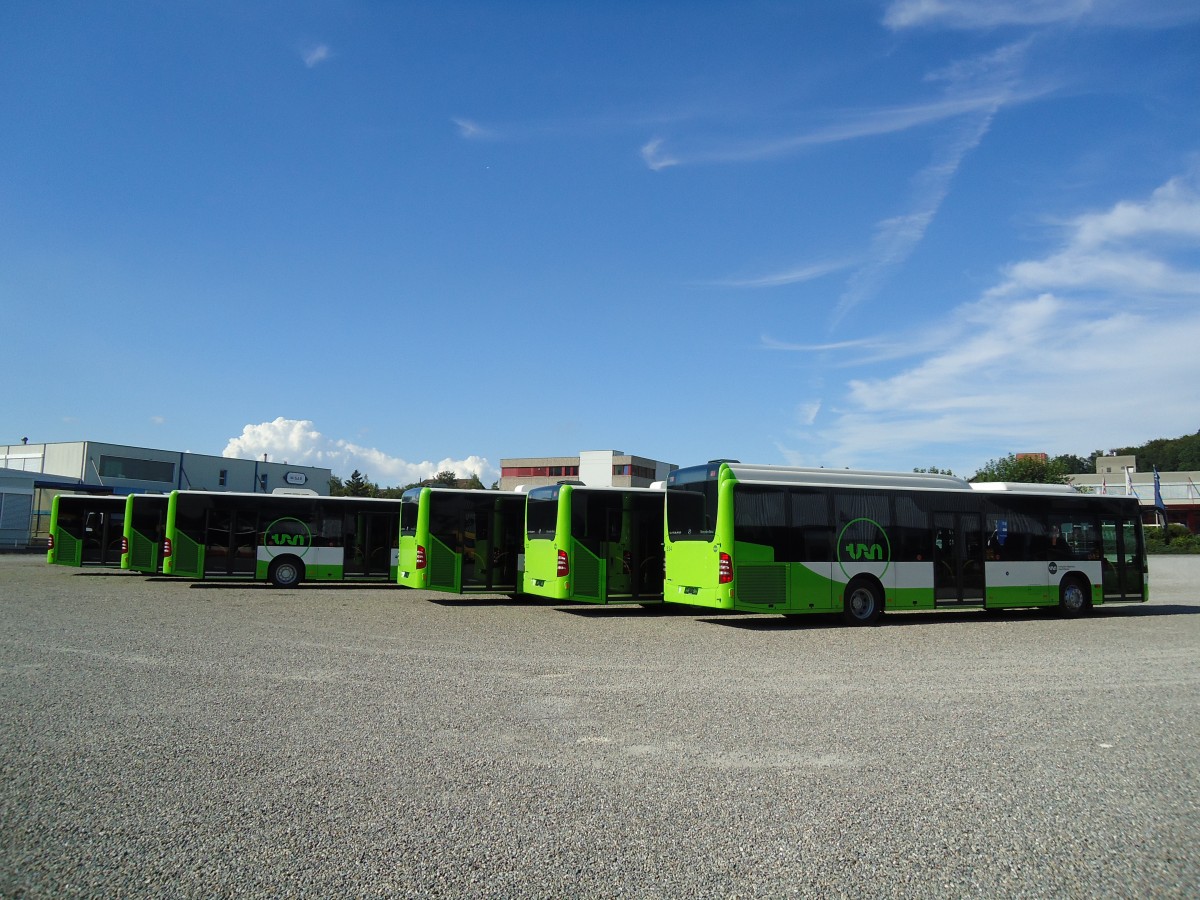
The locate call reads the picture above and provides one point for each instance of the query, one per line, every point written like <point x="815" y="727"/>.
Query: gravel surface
<point x="169" y="739"/>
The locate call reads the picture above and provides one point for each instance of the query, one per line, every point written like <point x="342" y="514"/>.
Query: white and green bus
<point x="594" y="544"/>
<point x="793" y="540"/>
<point x="284" y="538"/>
<point x="460" y="540"/>
<point x="86" y="530"/>
<point x="144" y="530"/>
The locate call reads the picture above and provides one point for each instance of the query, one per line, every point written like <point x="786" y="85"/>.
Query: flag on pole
<point x="1158" y="500"/>
<point x="1104" y="485"/>
<point x="1129" y="491"/>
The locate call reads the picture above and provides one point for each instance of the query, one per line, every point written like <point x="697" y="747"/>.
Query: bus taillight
<point x="725" y="570"/>
<point x="564" y="564"/>
<point x="124" y="545"/>
<point x="50" y="542"/>
<point x="168" y="547"/>
<point x="420" y="557"/>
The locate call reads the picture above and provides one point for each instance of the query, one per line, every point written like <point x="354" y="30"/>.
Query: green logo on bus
<point x="863" y="540"/>
<point x="288" y="533"/>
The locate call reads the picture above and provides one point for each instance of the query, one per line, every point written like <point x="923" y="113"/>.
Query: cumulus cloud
<point x="298" y="441"/>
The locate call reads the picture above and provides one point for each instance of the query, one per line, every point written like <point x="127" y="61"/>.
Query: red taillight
<point x="726" y="569"/>
<point x="124" y="545"/>
<point x="564" y="564"/>
<point x="420" y="557"/>
<point x="168" y="548"/>
<point x="50" y="542"/>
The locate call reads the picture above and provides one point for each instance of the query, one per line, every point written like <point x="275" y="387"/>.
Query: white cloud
<point x="298" y="441"/>
<point x="1092" y="345"/>
<point x="158" y="420"/>
<point x="472" y="130"/>
<point x="316" y="54"/>
<point x="985" y="14"/>
<point x="797" y="275"/>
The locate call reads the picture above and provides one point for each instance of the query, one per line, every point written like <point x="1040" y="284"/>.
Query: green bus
<point x="594" y="544"/>
<point x="284" y="537"/>
<point x="793" y="540"/>
<point x="460" y="540"/>
<point x="144" y="530"/>
<point x="86" y="530"/>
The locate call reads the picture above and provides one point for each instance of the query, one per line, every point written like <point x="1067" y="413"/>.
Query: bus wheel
<point x="286" y="572"/>
<point x="1072" y="598"/>
<point x="863" y="603"/>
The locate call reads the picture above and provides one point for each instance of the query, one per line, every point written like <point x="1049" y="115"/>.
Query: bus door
<point x="231" y="542"/>
<point x="507" y="543"/>
<point x="957" y="558"/>
<point x="102" y="533"/>
<point x="1120" y="559"/>
<point x="373" y="553"/>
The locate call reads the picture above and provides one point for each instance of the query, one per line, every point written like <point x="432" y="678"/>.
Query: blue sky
<point x="403" y="237"/>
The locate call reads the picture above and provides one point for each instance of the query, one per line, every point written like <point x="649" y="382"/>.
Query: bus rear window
<point x="410" y="506"/>
<point x="692" y="511"/>
<point x="541" y="515"/>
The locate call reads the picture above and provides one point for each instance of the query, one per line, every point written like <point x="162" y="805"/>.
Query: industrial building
<point x="31" y="474"/>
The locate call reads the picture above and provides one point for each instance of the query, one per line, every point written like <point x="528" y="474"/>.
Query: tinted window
<point x="541" y="512"/>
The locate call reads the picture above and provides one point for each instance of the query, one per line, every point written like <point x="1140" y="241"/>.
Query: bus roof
<point x="543" y="489"/>
<point x="1024" y="487"/>
<point x="845" y="477"/>
<point x="278" y="496"/>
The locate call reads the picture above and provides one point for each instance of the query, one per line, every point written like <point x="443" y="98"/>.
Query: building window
<point x="223" y="477"/>
<point x="136" y="469"/>
<point x="635" y="471"/>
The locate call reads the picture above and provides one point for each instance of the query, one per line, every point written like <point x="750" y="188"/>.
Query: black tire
<point x="1073" y="598"/>
<point x="863" y="602"/>
<point x="287" y="571"/>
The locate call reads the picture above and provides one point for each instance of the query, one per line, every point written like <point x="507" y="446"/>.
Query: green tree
<point x="1033" y="469"/>
<point x="446" y="477"/>
<point x="360" y="486"/>
<point x="336" y="487"/>
<point x="932" y="470"/>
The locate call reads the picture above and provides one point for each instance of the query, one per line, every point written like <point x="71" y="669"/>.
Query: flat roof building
<point x="31" y="475"/>
<point x="595" y="468"/>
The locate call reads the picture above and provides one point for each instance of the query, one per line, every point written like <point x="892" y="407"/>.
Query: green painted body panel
<point x="541" y="564"/>
<point x="407" y="572"/>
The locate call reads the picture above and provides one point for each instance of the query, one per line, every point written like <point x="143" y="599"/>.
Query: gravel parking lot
<point x="165" y="738"/>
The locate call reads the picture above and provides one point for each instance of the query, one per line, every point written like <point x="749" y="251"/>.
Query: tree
<point x="336" y="487"/>
<point x="933" y="471"/>
<point x="359" y="486"/>
<point x="1030" y="468"/>
<point x="446" y="477"/>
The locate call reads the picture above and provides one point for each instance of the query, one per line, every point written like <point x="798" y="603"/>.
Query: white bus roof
<point x="1024" y="487"/>
<point x="846" y="477"/>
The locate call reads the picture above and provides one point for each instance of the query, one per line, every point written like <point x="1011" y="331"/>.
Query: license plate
<point x="691" y="590"/>
<point x="539" y="582"/>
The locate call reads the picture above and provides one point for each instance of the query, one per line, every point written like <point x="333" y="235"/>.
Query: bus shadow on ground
<point x="633" y="610"/>
<point x="493" y="600"/>
<point x="811" y="621"/>
<point x="234" y="584"/>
